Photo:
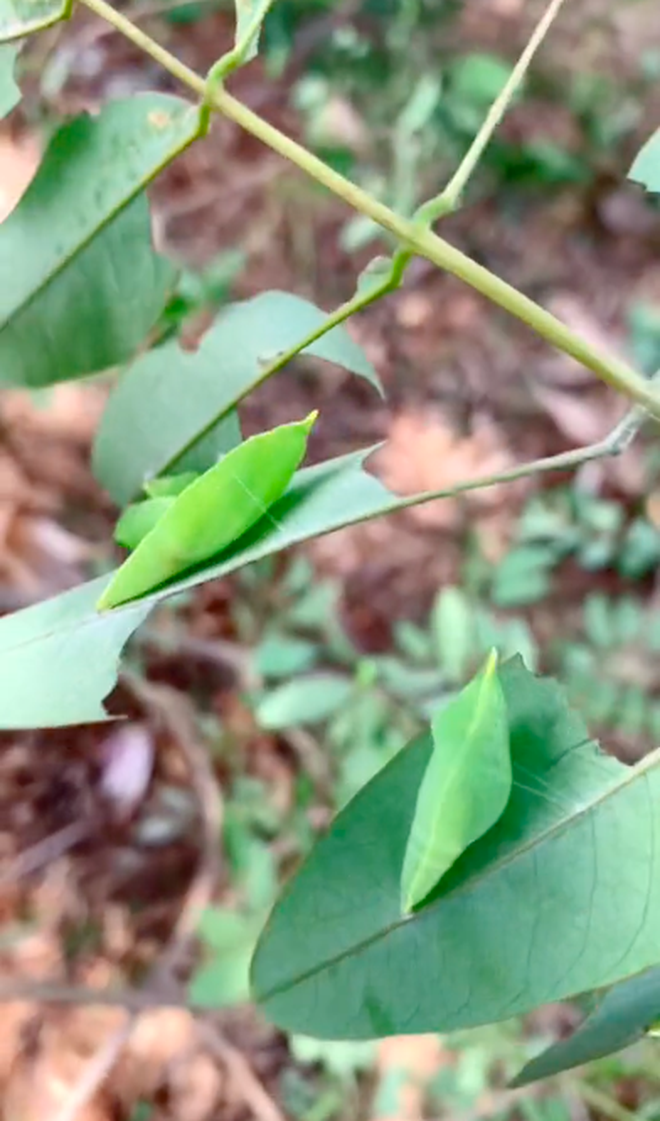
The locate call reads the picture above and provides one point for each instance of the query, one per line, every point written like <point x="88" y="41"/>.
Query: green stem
<point x="612" y="445"/>
<point x="617" y="441"/>
<point x="230" y="62"/>
<point x="362" y="299"/>
<point x="411" y="237"/>
<point x="345" y="311"/>
<point x="449" y="199"/>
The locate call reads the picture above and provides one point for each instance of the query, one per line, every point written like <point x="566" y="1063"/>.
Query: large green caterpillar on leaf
<point x="465" y="786"/>
<point x="186" y="520"/>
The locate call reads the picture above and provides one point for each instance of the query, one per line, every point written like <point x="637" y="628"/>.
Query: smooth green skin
<point x="213" y="512"/>
<point x="624" y="1015"/>
<point x="140" y="518"/>
<point x="465" y="787"/>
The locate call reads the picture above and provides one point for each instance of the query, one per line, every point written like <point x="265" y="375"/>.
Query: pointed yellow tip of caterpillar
<point x="491" y="663"/>
<point x="310" y="420"/>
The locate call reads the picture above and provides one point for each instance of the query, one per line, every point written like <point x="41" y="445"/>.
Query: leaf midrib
<point x="81" y="245"/>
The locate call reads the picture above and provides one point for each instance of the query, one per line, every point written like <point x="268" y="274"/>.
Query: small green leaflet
<point x="250" y="15"/>
<point x="139" y="518"/>
<point x="646" y="168"/>
<point x="465" y="787"/>
<point x="21" y="17"/>
<point x="214" y="511"/>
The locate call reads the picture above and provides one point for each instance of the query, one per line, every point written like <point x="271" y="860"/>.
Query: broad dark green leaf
<point x="59" y="659"/>
<point x="95" y="312"/>
<point x="10" y="95"/>
<point x="80" y="285"/>
<point x="169" y="399"/>
<point x="646" y="168"/>
<point x="622" y="1017"/>
<point x="465" y="786"/>
<point x="561" y="896"/>
<point x="321" y="499"/>
<point x="22" y="17"/>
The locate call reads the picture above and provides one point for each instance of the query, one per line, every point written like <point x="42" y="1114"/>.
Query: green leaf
<point x="523" y="576"/>
<point x="10" y="95"/>
<point x="80" y="285"/>
<point x="646" y="168"/>
<point x="478" y="78"/>
<point x="43" y="645"/>
<point x="58" y="660"/>
<point x="305" y="700"/>
<point x="621" y="1018"/>
<point x="77" y="325"/>
<point x="465" y="787"/>
<point x="282" y="655"/>
<point x="598" y="621"/>
<point x="536" y="910"/>
<point x="187" y="393"/>
<point x="452" y="621"/>
<point x="22" y="17"/>
<point x="250" y="14"/>
<point x="222" y="437"/>
<point x="224" y="978"/>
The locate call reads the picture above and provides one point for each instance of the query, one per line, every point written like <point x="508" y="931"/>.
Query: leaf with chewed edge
<point x="187" y="394"/>
<point x="80" y="283"/>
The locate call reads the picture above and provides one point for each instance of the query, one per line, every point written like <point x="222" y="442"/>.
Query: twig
<point x="252" y="1090"/>
<point x="409" y="234"/>
<point x="44" y="852"/>
<point x="167" y="708"/>
<point x="448" y="199"/>
<point x="56" y="992"/>
<point x="218" y="651"/>
<point x="95" y="1072"/>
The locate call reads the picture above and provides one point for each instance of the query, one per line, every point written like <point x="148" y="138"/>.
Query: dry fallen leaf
<point x="406" y="1064"/>
<point x="424" y="453"/>
<point x="70" y="411"/>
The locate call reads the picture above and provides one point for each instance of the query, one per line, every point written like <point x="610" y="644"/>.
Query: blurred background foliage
<point x="307" y="674"/>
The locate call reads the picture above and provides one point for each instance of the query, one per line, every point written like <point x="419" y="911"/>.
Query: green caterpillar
<point x="187" y="519"/>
